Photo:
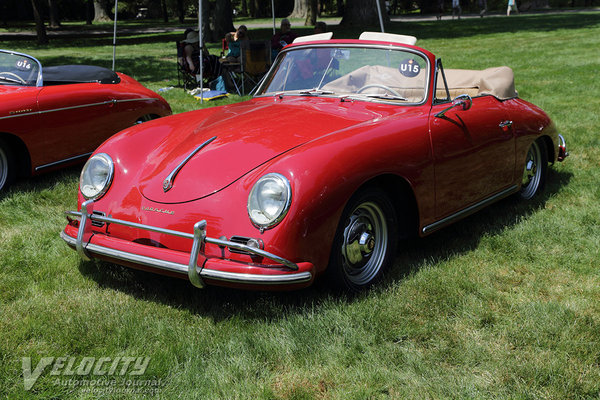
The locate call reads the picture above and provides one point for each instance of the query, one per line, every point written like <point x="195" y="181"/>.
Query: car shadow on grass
<point x="40" y="183"/>
<point x="221" y="303"/>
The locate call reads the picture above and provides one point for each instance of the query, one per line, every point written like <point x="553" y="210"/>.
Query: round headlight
<point x="269" y="200"/>
<point x="96" y="176"/>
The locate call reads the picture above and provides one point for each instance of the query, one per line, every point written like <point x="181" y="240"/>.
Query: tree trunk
<point x="223" y="19"/>
<point x="89" y="12"/>
<point x="165" y="14"/>
<point x="42" y="38"/>
<point x="340" y="8"/>
<point x="311" y="15"/>
<point x="244" y="11"/>
<point x="100" y="11"/>
<point x="363" y="13"/>
<point x="180" y="11"/>
<point x="54" y="18"/>
<point x="258" y="8"/>
<point x="300" y="9"/>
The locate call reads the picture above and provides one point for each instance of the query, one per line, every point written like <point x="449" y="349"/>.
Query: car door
<point x="474" y="153"/>
<point x="74" y="119"/>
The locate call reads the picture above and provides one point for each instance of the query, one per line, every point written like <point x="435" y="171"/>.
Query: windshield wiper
<point x="315" y="92"/>
<point x="381" y="96"/>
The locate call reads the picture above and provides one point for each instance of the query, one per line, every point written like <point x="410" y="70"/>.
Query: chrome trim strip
<point x="197" y="237"/>
<point x="469" y="210"/>
<point x="107" y="102"/>
<point x="168" y="182"/>
<point x="66" y="160"/>
<point x="232" y="277"/>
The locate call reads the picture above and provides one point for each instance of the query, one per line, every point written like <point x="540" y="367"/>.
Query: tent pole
<point x="380" y="17"/>
<point x="200" y="41"/>
<point x="273" y="13"/>
<point x="115" y="34"/>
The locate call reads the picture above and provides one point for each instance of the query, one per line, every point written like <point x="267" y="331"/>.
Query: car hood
<point x="237" y="139"/>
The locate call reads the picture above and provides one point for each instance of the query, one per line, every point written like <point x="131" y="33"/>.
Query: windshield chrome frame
<point x="347" y="45"/>
<point x="40" y="81"/>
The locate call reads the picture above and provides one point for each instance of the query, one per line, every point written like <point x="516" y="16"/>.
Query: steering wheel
<point x="23" y="81"/>
<point x="378" y="85"/>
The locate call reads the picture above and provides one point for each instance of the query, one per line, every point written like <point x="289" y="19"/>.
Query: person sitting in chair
<point x="282" y="38"/>
<point x="191" y="52"/>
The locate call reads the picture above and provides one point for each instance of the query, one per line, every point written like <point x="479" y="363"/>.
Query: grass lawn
<point x="505" y="304"/>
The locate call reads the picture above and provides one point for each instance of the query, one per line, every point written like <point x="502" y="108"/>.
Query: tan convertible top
<point x="498" y="82"/>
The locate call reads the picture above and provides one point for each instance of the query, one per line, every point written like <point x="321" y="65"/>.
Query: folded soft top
<point x="79" y="74"/>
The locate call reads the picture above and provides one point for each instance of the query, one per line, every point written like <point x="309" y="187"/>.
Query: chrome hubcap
<point x="3" y="168"/>
<point x="531" y="172"/>
<point x="365" y="243"/>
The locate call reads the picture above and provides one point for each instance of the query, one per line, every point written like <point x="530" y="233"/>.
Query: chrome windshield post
<point x="85" y="229"/>
<point x="197" y="246"/>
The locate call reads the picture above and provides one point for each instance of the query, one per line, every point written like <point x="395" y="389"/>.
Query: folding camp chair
<point x="211" y="69"/>
<point x="255" y="60"/>
<point x="183" y="72"/>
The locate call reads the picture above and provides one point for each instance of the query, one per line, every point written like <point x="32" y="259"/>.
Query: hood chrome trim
<point x="168" y="182"/>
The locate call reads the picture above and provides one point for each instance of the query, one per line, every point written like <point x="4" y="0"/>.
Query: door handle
<point x="505" y="125"/>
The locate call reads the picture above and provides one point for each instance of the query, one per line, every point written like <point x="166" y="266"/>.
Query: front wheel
<point x="365" y="242"/>
<point x="534" y="170"/>
<point x="7" y="167"/>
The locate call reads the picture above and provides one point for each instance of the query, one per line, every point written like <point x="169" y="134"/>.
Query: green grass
<point x="504" y="304"/>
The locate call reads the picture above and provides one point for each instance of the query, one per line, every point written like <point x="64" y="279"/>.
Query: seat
<point x="211" y="68"/>
<point x="255" y="60"/>
<point x="244" y="76"/>
<point x="183" y="72"/>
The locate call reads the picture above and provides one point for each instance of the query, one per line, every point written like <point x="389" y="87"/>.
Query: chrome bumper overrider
<point x="562" y="148"/>
<point x="195" y="274"/>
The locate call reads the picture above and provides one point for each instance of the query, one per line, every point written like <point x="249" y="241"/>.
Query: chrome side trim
<point x="168" y="182"/>
<point x="469" y="210"/>
<point x="66" y="160"/>
<point x="232" y="277"/>
<point x="107" y="102"/>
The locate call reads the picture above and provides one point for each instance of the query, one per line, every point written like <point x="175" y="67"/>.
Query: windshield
<point x="371" y="73"/>
<point x="18" y="69"/>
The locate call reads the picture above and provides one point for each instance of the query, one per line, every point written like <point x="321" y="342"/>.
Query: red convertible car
<point x="51" y="117"/>
<point x="347" y="147"/>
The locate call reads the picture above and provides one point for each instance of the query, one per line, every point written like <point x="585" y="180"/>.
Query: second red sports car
<point x="51" y="117"/>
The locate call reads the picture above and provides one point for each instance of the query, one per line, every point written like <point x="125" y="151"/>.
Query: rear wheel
<point x="534" y="170"/>
<point x="365" y="242"/>
<point x="7" y="166"/>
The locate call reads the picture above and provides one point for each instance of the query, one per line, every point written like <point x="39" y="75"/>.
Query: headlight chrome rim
<point x="253" y="201"/>
<point x="107" y="182"/>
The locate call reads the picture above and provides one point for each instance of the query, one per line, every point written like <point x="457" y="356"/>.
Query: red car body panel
<point x="328" y="149"/>
<point x="60" y="122"/>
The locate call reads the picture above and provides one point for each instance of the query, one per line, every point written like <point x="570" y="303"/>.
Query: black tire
<point x="365" y="242"/>
<point x="7" y="165"/>
<point x="535" y="170"/>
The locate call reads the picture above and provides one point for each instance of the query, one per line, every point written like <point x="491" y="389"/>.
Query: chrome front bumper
<point x="196" y="274"/>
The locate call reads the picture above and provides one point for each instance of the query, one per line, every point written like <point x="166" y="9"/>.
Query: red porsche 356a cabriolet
<point x="51" y="117"/>
<point x="347" y="147"/>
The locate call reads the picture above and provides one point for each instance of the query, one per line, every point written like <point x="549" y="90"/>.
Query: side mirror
<point x="464" y="100"/>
